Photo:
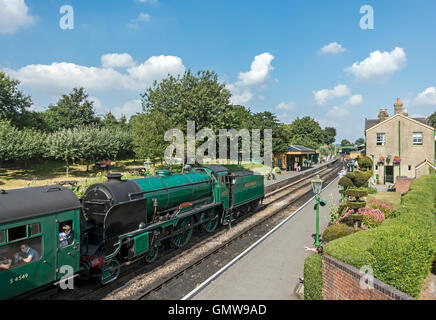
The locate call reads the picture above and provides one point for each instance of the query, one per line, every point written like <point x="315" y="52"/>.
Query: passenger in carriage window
<point x="65" y="237"/>
<point x="26" y="254"/>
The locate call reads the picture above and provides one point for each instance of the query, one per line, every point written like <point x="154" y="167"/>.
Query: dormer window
<point x="381" y="139"/>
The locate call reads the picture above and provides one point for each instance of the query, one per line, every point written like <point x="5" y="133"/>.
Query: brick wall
<point x="342" y="282"/>
<point x="402" y="184"/>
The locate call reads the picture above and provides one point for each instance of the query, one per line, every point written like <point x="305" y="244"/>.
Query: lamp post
<point x="317" y="187"/>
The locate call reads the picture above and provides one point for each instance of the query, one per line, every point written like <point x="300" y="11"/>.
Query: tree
<point x="360" y="141"/>
<point x="306" y="132"/>
<point x="72" y="110"/>
<point x="13" y="103"/>
<point x="329" y="135"/>
<point x="148" y="131"/>
<point x="432" y="120"/>
<point x="267" y="120"/>
<point x="200" y="98"/>
<point x="345" y="142"/>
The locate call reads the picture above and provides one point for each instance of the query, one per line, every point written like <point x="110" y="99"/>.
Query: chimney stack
<point x="383" y="115"/>
<point x="398" y="106"/>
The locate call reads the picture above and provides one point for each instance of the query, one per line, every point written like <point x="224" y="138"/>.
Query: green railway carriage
<point x="31" y="220"/>
<point x="119" y="220"/>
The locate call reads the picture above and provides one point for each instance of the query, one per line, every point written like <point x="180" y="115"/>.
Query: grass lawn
<point x="48" y="172"/>
<point x="393" y="198"/>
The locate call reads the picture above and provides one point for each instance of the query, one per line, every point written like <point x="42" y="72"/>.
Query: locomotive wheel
<point x="151" y="255"/>
<point x="109" y="272"/>
<point x="211" y="225"/>
<point x="182" y="239"/>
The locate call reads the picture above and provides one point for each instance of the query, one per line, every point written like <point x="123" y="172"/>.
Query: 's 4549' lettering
<point x="18" y="278"/>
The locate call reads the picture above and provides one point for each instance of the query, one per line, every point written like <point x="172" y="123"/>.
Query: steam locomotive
<point x="116" y="221"/>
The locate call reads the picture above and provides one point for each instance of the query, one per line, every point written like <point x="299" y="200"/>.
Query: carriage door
<point x="67" y="234"/>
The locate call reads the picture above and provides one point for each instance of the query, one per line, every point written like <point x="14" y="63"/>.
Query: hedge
<point x="313" y="277"/>
<point x="401" y="249"/>
<point x="336" y="231"/>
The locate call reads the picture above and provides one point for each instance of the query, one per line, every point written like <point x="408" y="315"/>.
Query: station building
<point x="294" y="154"/>
<point x="399" y="146"/>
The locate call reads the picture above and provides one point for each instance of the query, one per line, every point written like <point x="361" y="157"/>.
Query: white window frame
<point x="380" y="142"/>
<point x="416" y="140"/>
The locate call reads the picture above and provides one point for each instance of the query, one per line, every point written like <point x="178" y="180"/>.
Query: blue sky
<point x="269" y="53"/>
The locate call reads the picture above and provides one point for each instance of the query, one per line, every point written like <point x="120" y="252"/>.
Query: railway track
<point x="279" y="198"/>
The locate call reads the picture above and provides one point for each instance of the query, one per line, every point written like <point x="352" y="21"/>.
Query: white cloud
<point x="333" y="47"/>
<point x="289" y="106"/>
<point x="354" y="100"/>
<point x="128" y="109"/>
<point x="257" y="77"/>
<point x="239" y="96"/>
<point x="322" y="96"/>
<point x="379" y="64"/>
<point x="338" y="112"/>
<point x="259" y="72"/>
<point x="426" y="98"/>
<point x="142" y="17"/>
<point x="13" y="15"/>
<point x="59" y="77"/>
<point x="114" y="60"/>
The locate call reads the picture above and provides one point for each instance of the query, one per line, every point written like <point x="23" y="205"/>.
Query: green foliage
<point x="359" y="178"/>
<point x="370" y="190"/>
<point x="364" y="163"/>
<point x="345" y="142"/>
<point x="345" y="182"/>
<point x="329" y="135"/>
<point x="13" y="102"/>
<point x="356" y="193"/>
<point x="431" y="121"/>
<point x="360" y="141"/>
<point x="356" y="204"/>
<point x="20" y="145"/>
<point x="306" y="132"/>
<point x="71" y="111"/>
<point x="313" y="277"/>
<point x="401" y="249"/>
<point x="336" y="231"/>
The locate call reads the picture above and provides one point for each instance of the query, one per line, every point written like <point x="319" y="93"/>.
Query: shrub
<point x="356" y="204"/>
<point x="359" y="178"/>
<point x="345" y="182"/>
<point x="401" y="249"/>
<point x="356" y="193"/>
<point x="386" y="208"/>
<point x="313" y="277"/>
<point x="336" y="231"/>
<point x="365" y="163"/>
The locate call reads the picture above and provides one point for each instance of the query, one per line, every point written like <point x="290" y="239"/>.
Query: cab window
<point x="66" y="234"/>
<point x="2" y="236"/>
<point x="35" y="229"/>
<point x="16" y="254"/>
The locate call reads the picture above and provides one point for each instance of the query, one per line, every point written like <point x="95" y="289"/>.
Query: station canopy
<point x="299" y="150"/>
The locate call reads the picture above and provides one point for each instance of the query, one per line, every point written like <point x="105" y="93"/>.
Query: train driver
<point x="5" y="263"/>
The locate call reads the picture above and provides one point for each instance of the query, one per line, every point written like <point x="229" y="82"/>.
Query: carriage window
<point x="2" y="236"/>
<point x="20" y="253"/>
<point x="35" y="229"/>
<point x="66" y="235"/>
<point x="17" y="233"/>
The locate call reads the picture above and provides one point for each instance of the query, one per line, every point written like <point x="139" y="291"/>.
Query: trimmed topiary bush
<point x="336" y="231"/>
<point x="345" y="182"/>
<point x="313" y="277"/>
<point x="356" y="204"/>
<point x="356" y="193"/>
<point x="365" y="163"/>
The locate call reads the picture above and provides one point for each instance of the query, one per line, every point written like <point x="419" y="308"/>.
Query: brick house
<point x="400" y="146"/>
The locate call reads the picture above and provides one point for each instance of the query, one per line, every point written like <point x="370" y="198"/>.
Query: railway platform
<point x="270" y="269"/>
